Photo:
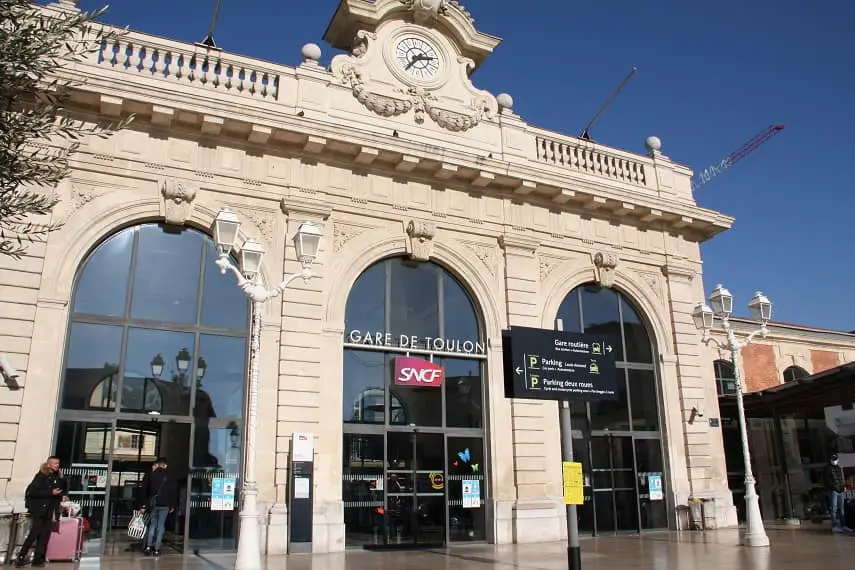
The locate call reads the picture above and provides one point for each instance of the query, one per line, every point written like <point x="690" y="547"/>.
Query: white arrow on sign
<point x="609" y="347"/>
<point x="518" y="370"/>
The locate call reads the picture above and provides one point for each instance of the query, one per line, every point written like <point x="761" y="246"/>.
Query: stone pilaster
<point x="536" y="515"/>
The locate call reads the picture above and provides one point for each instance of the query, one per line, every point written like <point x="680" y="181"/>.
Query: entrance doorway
<point x="154" y="367"/>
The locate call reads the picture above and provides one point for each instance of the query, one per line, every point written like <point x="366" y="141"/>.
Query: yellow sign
<point x="573" y="483"/>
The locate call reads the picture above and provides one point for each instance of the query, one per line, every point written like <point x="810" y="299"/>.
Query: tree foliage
<point x="37" y="136"/>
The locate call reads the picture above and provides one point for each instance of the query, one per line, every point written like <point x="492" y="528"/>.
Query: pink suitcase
<point x="67" y="544"/>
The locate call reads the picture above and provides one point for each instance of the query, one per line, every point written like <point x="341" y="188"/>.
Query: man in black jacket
<point x="160" y="495"/>
<point x="835" y="484"/>
<point x="43" y="497"/>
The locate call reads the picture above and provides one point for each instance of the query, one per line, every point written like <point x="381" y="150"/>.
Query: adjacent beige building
<point x="446" y="217"/>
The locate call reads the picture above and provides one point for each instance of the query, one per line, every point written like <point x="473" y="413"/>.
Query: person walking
<point x="161" y="495"/>
<point x="835" y="484"/>
<point x="43" y="497"/>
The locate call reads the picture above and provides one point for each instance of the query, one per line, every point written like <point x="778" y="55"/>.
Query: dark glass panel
<point x="400" y="450"/>
<point x="622" y="456"/>
<point x="600" y="314"/>
<point x="638" y="347"/>
<point x="103" y="284"/>
<point x="413" y="405"/>
<point x="91" y="379"/>
<point x="643" y="397"/>
<point x="366" y="304"/>
<point x="166" y="279"/>
<point x="224" y="305"/>
<point x="626" y="502"/>
<point x="648" y="454"/>
<point x="430" y="452"/>
<point x="164" y="387"/>
<point x="414" y="300"/>
<point x="219" y="391"/>
<point x="362" y="489"/>
<point x="466" y="463"/>
<point x="613" y="414"/>
<point x="568" y="312"/>
<point x="463" y="393"/>
<point x="605" y="505"/>
<point x="364" y="387"/>
<point x="461" y="322"/>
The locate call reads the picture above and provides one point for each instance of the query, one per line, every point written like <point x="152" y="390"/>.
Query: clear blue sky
<point x="711" y="75"/>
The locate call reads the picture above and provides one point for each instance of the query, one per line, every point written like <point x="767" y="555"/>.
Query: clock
<point x="417" y="58"/>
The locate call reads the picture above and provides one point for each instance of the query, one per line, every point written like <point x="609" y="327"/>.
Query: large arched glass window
<point x="794" y="373"/>
<point x="155" y="365"/>
<point x="408" y="447"/>
<point x="621" y="438"/>
<point x="725" y="377"/>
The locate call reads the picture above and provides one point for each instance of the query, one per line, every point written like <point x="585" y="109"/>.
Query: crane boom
<point x="716" y="169"/>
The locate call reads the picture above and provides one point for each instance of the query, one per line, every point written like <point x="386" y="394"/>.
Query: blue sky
<point x="711" y="75"/>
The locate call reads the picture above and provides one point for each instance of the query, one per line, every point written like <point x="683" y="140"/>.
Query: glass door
<point x="414" y="512"/>
<point x="615" y="490"/>
<point x="83" y="449"/>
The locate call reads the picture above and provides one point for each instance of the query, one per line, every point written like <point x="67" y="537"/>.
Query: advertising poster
<point x="223" y="493"/>
<point x="574" y="493"/>
<point x="471" y="494"/>
<point x="654" y="486"/>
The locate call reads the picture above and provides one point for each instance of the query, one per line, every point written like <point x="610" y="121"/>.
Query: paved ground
<point x="790" y="549"/>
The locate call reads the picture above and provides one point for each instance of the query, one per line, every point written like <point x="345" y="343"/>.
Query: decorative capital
<point x="178" y="196"/>
<point x="605" y="264"/>
<point x="525" y="244"/>
<point x="298" y="206"/>
<point x="674" y="269"/>
<point x="420" y="244"/>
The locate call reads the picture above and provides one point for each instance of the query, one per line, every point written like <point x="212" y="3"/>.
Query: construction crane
<point x="711" y="172"/>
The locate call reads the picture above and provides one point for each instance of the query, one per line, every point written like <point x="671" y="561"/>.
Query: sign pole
<point x="574" y="553"/>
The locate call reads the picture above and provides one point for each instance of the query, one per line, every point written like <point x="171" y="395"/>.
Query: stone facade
<point x="389" y="164"/>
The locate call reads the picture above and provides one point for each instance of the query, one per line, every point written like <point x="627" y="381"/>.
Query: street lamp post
<point x="704" y="317"/>
<point x="306" y="242"/>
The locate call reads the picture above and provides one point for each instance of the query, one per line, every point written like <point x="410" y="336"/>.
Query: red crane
<point x="711" y="172"/>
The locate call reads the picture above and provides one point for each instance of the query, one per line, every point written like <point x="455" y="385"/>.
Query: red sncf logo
<point x="417" y="372"/>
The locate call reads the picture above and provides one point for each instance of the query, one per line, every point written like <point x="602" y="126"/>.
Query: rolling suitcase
<point x="66" y="543"/>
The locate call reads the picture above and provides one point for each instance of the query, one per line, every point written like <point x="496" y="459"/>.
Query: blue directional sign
<point x="552" y="365"/>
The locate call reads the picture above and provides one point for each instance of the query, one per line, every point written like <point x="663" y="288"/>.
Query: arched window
<point x="621" y="437"/>
<point x="410" y="443"/>
<point x="155" y="365"/>
<point x="725" y="378"/>
<point x="794" y="373"/>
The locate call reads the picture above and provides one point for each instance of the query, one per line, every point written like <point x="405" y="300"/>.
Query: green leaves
<point x="37" y="135"/>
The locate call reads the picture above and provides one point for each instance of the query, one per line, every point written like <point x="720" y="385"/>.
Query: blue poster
<point x="471" y="494"/>
<point x="654" y="486"/>
<point x="223" y="494"/>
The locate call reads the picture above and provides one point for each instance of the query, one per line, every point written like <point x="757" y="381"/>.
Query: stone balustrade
<point x="204" y="68"/>
<point x="588" y="158"/>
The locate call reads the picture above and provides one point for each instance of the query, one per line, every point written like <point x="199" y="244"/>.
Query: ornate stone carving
<point x="547" y="264"/>
<point x="343" y="233"/>
<point x="424" y="11"/>
<point x="420" y="244"/>
<point x="605" y="264"/>
<point x="264" y="220"/>
<point x="651" y="281"/>
<point x="393" y="102"/>
<point x="486" y="254"/>
<point x="178" y="196"/>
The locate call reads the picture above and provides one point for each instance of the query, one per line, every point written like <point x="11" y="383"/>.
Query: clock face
<point x="417" y="58"/>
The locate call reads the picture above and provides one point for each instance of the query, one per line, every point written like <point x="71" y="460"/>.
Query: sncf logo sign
<point x="417" y="372"/>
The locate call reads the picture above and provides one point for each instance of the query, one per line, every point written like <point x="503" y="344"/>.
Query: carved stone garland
<point x="345" y="69"/>
<point x="605" y="264"/>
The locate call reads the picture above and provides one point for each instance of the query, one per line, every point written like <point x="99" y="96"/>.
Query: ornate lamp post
<point x="306" y="242"/>
<point x="704" y="316"/>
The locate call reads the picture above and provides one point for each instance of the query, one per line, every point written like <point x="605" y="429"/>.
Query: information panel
<point x="574" y="492"/>
<point x="552" y="365"/>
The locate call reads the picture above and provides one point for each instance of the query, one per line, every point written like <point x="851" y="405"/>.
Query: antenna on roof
<point x="586" y="132"/>
<point x="208" y="42"/>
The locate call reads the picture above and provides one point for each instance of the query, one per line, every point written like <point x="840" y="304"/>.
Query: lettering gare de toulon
<point x="435" y="344"/>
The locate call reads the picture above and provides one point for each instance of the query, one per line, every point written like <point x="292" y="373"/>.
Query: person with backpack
<point x="43" y="497"/>
<point x="160" y="497"/>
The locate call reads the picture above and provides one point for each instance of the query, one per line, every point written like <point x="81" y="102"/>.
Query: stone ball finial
<point x="653" y="144"/>
<point x="505" y="101"/>
<point x="311" y="53"/>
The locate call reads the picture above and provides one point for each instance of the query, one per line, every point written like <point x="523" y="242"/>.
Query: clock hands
<point x="417" y="58"/>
